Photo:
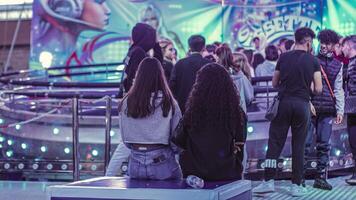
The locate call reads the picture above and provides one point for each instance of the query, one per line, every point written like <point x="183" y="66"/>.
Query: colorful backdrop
<point x="97" y="31"/>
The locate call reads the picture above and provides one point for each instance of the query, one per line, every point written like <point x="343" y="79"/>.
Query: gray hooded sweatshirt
<point x="245" y="88"/>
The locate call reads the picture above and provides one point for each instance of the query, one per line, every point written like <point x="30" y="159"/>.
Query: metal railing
<point x="75" y="124"/>
<point x="80" y="92"/>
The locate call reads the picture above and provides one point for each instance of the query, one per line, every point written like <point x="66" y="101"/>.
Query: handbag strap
<point x="328" y="83"/>
<point x="347" y="92"/>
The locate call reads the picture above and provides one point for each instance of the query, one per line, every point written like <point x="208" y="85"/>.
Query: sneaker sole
<point x="322" y="188"/>
<point x="298" y="195"/>
<point x="351" y="183"/>
<point x="264" y="192"/>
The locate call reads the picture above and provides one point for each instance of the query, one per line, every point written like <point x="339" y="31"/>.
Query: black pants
<point x="351" y="129"/>
<point x="295" y="113"/>
<point x="322" y="124"/>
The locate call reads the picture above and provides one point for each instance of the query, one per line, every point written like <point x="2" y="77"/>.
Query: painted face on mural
<point x="96" y="12"/>
<point x="150" y="18"/>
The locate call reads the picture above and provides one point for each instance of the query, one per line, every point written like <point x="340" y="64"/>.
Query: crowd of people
<point x="188" y="116"/>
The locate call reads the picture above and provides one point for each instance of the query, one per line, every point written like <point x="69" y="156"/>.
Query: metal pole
<point x="107" y="131"/>
<point x="76" y="153"/>
<point x="267" y="94"/>
<point x="14" y="39"/>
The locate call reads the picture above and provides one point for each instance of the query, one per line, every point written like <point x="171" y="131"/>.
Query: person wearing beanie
<point x="144" y="39"/>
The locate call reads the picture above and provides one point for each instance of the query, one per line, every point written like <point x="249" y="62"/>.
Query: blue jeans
<point x="159" y="164"/>
<point x="323" y="126"/>
<point x="120" y="156"/>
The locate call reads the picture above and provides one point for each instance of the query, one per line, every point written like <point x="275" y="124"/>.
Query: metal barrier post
<point x="267" y="94"/>
<point x="76" y="153"/>
<point x="107" y="132"/>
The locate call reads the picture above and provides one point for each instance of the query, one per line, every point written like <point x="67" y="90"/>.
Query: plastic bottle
<point x="195" y="182"/>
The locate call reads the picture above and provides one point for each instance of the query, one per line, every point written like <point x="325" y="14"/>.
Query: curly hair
<point x="301" y="33"/>
<point x="214" y="102"/>
<point x="328" y="36"/>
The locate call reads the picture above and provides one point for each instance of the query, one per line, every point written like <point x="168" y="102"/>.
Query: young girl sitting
<point x="148" y="116"/>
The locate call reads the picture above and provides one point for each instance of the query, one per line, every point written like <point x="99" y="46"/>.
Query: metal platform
<point x="116" y="188"/>
<point x="26" y="190"/>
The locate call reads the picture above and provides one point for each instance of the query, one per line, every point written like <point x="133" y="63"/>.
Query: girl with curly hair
<point x="211" y="132"/>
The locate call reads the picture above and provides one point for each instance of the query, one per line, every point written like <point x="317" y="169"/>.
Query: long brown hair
<point x="214" y="102"/>
<point x="226" y="58"/>
<point x="149" y="82"/>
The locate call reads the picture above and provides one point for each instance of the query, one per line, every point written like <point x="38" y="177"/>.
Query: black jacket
<point x="351" y="76"/>
<point x="325" y="103"/>
<point x="167" y="68"/>
<point x="208" y="152"/>
<point x="144" y="39"/>
<point x="183" y="77"/>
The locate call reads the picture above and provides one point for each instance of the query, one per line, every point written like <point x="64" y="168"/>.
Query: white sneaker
<point x="297" y="190"/>
<point x="264" y="187"/>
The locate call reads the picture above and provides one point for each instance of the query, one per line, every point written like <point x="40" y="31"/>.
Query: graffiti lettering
<point x="275" y="28"/>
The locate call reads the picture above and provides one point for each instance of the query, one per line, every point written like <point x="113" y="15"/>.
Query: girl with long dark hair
<point x="148" y="116"/>
<point x="211" y="132"/>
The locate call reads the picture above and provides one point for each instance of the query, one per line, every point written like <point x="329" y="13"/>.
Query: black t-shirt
<point x="297" y="69"/>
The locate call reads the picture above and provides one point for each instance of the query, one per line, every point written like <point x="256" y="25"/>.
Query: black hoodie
<point x="144" y="39"/>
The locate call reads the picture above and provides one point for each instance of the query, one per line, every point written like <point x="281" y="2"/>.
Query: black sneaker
<point x="303" y="183"/>
<point x="321" y="183"/>
<point x="352" y="180"/>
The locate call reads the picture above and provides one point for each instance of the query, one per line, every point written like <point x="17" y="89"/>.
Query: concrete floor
<point x="341" y="191"/>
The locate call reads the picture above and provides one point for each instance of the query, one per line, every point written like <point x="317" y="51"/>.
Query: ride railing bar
<point x="258" y="89"/>
<point x="58" y="90"/>
<point x="258" y="79"/>
<point x="5" y="74"/>
<point x="107" y="132"/>
<point x="75" y="129"/>
<point x="75" y="124"/>
<point x="85" y="66"/>
<point x="267" y="89"/>
<point x="65" y="95"/>
<point x="82" y="94"/>
<point x="61" y="84"/>
<point x="84" y="73"/>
